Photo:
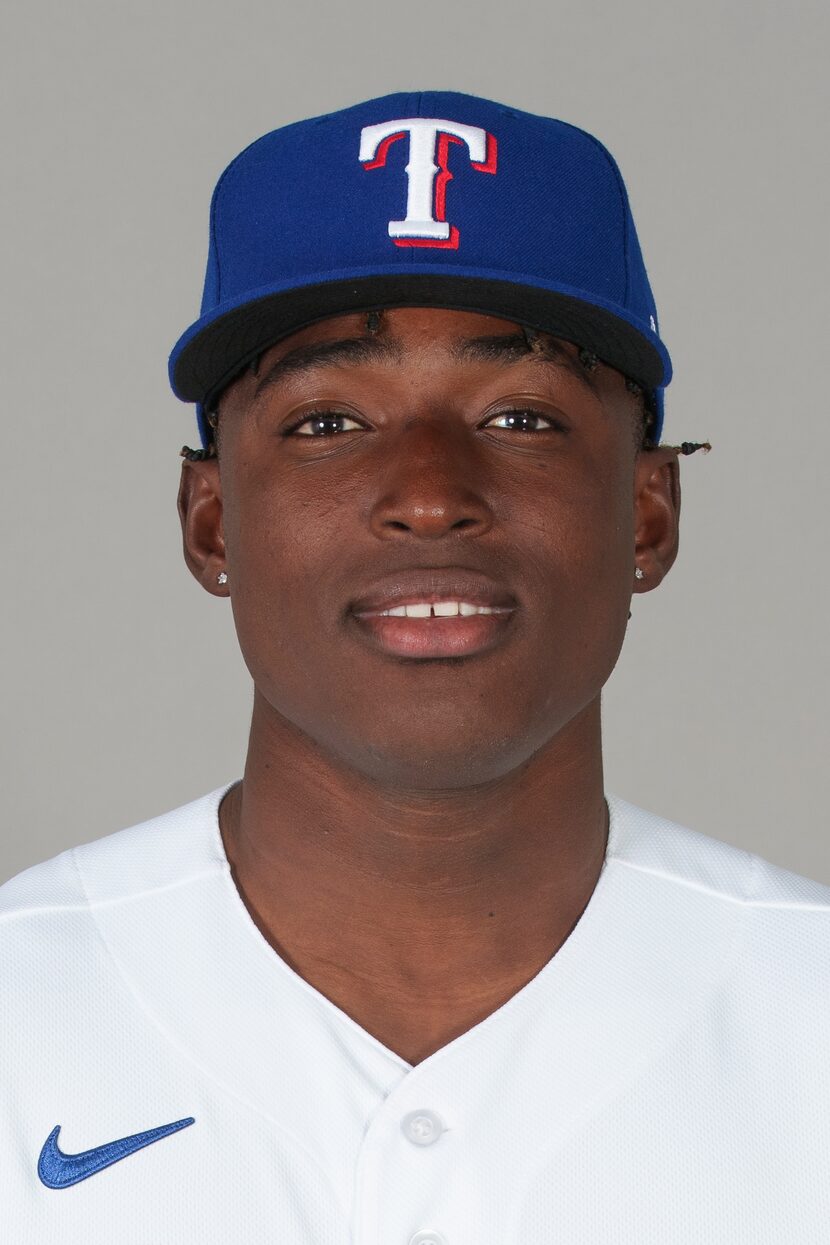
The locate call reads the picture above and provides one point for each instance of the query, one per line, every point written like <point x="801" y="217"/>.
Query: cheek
<point x="583" y="566"/>
<point x="275" y="531"/>
<point x="282" y="551"/>
<point x="585" y="530"/>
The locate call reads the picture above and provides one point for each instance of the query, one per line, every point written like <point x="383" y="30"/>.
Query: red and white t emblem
<point x="427" y="172"/>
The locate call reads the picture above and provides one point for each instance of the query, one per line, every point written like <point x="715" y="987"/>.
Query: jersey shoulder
<point x="160" y="852"/>
<point x="781" y="954"/>
<point x="645" y="840"/>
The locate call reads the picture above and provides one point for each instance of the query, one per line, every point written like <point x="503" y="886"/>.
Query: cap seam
<point x="623" y="205"/>
<point x="215" y="204"/>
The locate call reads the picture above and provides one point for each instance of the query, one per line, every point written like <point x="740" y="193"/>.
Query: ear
<point x="656" y="515"/>
<point x="200" y="511"/>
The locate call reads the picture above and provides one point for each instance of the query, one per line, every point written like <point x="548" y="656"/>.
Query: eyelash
<point x="553" y="425"/>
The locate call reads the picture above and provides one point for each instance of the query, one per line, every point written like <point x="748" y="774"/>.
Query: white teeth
<point x="440" y="609"/>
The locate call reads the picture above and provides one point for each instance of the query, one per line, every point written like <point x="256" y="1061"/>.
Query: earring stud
<point x="222" y="577"/>
<point x="639" y="573"/>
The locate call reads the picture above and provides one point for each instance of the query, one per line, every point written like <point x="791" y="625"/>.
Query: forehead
<point x="392" y="336"/>
<point x="403" y="328"/>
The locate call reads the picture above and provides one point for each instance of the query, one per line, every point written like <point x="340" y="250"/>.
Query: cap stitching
<point x="618" y="182"/>
<point x="214" y="205"/>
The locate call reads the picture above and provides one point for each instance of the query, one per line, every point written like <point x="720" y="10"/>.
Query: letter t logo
<point x="427" y="172"/>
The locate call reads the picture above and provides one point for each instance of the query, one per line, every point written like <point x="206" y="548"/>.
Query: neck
<point x="456" y="892"/>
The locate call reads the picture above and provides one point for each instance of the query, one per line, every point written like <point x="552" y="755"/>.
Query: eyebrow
<point x="349" y="350"/>
<point x="501" y="347"/>
<point x="511" y="348"/>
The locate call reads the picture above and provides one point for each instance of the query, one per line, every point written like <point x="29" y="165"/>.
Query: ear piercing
<point x="222" y="577"/>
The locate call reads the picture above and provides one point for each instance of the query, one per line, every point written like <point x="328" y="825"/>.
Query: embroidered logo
<point x="427" y="172"/>
<point x="58" y="1170"/>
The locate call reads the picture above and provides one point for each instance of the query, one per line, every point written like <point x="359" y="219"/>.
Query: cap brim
<point x="214" y="351"/>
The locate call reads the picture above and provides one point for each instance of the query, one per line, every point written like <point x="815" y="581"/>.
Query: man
<point x="417" y="979"/>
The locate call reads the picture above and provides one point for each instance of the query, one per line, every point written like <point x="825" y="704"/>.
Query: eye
<point x="323" y="424"/>
<point x="523" y="419"/>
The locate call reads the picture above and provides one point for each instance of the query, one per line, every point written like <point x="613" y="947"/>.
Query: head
<point x="427" y="365"/>
<point x="360" y="456"/>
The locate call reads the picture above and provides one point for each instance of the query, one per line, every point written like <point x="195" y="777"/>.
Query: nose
<point x="428" y="487"/>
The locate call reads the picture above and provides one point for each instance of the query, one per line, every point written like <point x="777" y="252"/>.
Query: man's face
<point x="439" y="461"/>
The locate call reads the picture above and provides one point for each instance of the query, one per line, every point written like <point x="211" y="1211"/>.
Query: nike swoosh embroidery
<point x="58" y="1170"/>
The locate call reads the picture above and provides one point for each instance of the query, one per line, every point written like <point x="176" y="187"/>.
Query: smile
<point x="437" y="609"/>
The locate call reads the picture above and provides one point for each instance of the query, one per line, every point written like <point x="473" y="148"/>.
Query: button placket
<point x="404" y="1191"/>
<point x="423" y="1128"/>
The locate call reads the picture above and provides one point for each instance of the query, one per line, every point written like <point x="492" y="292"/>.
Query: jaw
<point x="428" y="726"/>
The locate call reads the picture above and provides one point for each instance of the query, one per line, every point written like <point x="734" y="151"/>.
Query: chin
<point x="439" y="765"/>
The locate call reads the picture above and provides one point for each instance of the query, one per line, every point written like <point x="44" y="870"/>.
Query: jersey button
<point x="423" y="1128"/>
<point x="428" y="1238"/>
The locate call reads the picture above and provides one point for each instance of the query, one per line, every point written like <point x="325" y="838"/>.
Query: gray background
<point x="123" y="693"/>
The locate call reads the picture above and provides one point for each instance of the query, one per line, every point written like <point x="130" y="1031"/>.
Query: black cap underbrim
<point x="214" y="356"/>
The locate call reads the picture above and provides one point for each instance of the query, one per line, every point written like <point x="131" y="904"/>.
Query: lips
<point x="424" y="624"/>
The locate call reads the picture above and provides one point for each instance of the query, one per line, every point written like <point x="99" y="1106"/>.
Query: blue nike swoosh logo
<point x="58" y="1170"/>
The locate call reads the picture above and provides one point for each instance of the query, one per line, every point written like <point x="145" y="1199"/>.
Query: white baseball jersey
<point x="167" y="1079"/>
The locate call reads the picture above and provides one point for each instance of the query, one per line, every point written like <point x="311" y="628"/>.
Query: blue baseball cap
<point x="430" y="198"/>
